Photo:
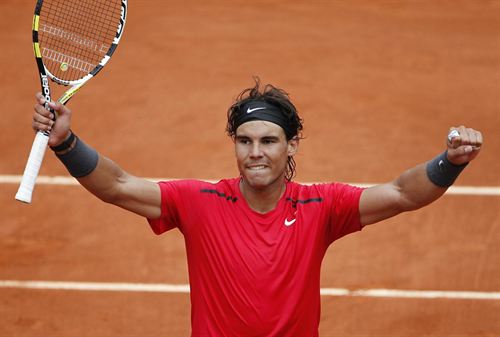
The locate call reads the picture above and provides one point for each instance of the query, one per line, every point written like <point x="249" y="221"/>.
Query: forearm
<point x="105" y="180"/>
<point x="428" y="182"/>
<point x="96" y="173"/>
<point x="416" y="189"/>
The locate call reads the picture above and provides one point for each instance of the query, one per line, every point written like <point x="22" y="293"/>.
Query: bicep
<point x="131" y="193"/>
<point x="140" y="196"/>
<point x="380" y="202"/>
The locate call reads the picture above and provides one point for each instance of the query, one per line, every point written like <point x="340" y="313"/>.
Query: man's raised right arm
<point x="98" y="174"/>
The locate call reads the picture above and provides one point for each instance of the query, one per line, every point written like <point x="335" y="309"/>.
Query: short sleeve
<point x="175" y="197"/>
<point x="343" y="207"/>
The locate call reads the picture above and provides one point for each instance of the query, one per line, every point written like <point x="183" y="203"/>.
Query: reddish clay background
<point x="378" y="83"/>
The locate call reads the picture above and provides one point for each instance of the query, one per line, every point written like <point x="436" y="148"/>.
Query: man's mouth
<point x="256" y="167"/>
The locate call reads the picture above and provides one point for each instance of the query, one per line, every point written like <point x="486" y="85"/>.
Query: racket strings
<point x="75" y="35"/>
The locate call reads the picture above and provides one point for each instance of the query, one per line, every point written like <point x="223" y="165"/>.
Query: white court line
<point x="184" y="288"/>
<point x="97" y="286"/>
<point x="422" y="294"/>
<point x="66" y="180"/>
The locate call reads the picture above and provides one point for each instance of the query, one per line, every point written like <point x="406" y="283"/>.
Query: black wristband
<point x="442" y="172"/>
<point x="80" y="160"/>
<point x="68" y="143"/>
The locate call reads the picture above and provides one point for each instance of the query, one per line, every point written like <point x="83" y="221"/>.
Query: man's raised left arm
<point x="423" y="184"/>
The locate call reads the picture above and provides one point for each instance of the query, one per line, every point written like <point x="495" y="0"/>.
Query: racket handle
<point x="33" y="165"/>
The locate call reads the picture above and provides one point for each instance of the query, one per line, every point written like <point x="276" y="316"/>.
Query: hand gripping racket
<point x="73" y="40"/>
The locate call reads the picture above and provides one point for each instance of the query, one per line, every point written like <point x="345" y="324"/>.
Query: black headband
<point x="263" y="111"/>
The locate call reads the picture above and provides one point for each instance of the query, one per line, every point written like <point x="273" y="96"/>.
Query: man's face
<point x="262" y="153"/>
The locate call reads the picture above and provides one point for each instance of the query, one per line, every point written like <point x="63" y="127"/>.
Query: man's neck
<point x="263" y="200"/>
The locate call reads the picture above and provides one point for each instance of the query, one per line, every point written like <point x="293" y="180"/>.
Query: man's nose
<point x="256" y="151"/>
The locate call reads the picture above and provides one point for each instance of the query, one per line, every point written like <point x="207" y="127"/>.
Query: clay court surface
<point x="378" y="83"/>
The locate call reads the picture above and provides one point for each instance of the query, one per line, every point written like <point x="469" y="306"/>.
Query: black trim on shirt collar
<point x="306" y="201"/>
<point x="219" y="194"/>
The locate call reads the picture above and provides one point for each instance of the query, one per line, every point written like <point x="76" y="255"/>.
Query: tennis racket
<point x="73" y="40"/>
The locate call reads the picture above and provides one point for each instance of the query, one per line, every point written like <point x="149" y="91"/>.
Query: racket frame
<point x="35" y="159"/>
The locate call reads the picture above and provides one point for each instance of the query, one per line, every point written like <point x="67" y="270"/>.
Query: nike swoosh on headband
<point x="249" y="110"/>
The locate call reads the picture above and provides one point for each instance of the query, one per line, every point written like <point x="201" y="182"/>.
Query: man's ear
<point x="293" y="146"/>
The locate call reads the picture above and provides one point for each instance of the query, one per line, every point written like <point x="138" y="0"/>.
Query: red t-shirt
<point x="256" y="274"/>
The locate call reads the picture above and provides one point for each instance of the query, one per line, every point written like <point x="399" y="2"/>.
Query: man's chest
<point x="228" y="234"/>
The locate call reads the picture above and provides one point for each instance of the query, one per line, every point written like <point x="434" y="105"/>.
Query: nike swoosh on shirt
<point x="289" y="223"/>
<point x="254" y="109"/>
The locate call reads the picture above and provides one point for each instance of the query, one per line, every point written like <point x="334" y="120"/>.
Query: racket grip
<point x="33" y="165"/>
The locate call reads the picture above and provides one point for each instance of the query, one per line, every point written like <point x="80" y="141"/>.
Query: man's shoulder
<point x="318" y="190"/>
<point x="226" y="186"/>
<point x="199" y="182"/>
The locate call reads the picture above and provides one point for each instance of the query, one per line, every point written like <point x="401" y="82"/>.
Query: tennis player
<point x="255" y="243"/>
